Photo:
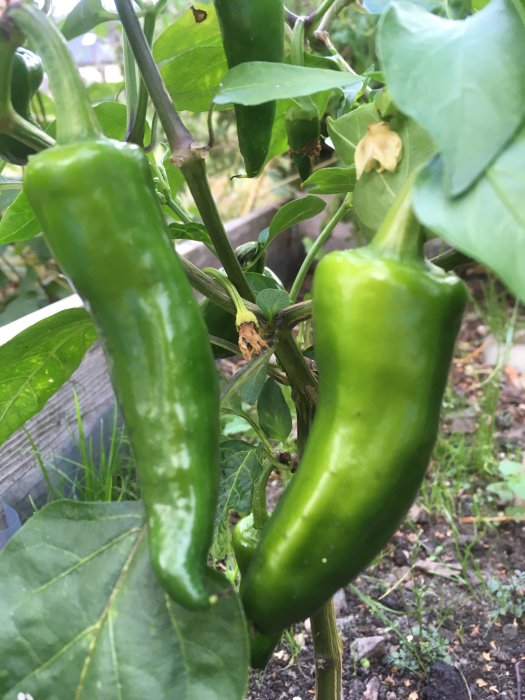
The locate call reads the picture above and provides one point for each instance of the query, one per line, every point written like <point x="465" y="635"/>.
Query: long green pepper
<point x="97" y="206"/>
<point x="385" y="323"/>
<point x="252" y="30"/>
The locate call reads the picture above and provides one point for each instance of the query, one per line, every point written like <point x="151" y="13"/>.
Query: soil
<point x="431" y="589"/>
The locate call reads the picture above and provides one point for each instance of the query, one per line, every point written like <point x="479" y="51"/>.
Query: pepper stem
<point x="400" y="234"/>
<point x="75" y="118"/>
<point x="242" y="315"/>
<point x="327" y="653"/>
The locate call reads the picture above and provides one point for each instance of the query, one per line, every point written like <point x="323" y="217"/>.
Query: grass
<point x="104" y="471"/>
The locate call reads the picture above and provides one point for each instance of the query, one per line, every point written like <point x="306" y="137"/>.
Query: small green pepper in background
<point x="245" y="539"/>
<point x="27" y="74"/>
<point x="252" y="30"/>
<point x="303" y="129"/>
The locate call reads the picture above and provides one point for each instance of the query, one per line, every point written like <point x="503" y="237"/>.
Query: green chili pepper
<point x="303" y="128"/>
<point x="245" y="539"/>
<point x="95" y="201"/>
<point x="27" y="74"/>
<point x="252" y="30"/>
<point x="385" y="323"/>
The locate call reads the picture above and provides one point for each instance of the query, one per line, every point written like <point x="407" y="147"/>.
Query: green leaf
<point x="193" y="77"/>
<point x="348" y="130"/>
<point x="487" y="222"/>
<point x="374" y="192"/>
<point x="185" y="33"/>
<point x="509" y="468"/>
<point x="462" y="80"/>
<point x="191" y="232"/>
<point x="292" y="213"/>
<point x="259" y="282"/>
<point x="175" y="177"/>
<point x="84" y="16"/>
<point x="113" y="119"/>
<point x="255" y="82"/>
<point x="18" y="223"/>
<point x="240" y="467"/>
<point x="252" y="387"/>
<point x="82" y="615"/>
<point x="9" y="189"/>
<point x="273" y="412"/>
<point x="331" y="181"/>
<point x="271" y="301"/>
<point x="36" y="362"/>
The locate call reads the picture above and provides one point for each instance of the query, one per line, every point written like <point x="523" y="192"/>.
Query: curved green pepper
<point x="303" y="128"/>
<point x="252" y="30"/>
<point x="245" y="539"/>
<point x="385" y="323"/>
<point x="26" y="77"/>
<point x="96" y="203"/>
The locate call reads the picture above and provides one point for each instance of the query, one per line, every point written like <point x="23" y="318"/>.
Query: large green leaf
<point x="193" y="77"/>
<point x="462" y="80"/>
<point x="374" y="192"/>
<point x="82" y="615"/>
<point x="488" y="221"/>
<point x="36" y="362"/>
<point x="259" y="81"/>
<point x="186" y="33"/>
<point x="273" y="411"/>
<point x="240" y="466"/>
<point x="18" y="223"/>
<point x="346" y="131"/>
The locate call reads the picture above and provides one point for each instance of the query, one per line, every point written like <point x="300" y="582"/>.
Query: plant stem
<point x="185" y="153"/>
<point x="327" y="654"/>
<point x="302" y="382"/>
<point x="316" y="246"/>
<point x="137" y="127"/>
<point x="212" y="290"/>
<point x="179" y="138"/>
<point x="296" y="313"/>
<point x="317" y="15"/>
<point x="194" y="170"/>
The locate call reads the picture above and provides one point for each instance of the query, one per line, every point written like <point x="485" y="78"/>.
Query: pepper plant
<point x="130" y="599"/>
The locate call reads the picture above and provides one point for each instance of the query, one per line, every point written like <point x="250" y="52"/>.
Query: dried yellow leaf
<point x="380" y="145"/>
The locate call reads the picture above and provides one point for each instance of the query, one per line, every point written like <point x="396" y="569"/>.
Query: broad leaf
<point x="488" y="221"/>
<point x="36" y="362"/>
<point x="292" y="213"/>
<point x="346" y="132"/>
<point x="186" y="33"/>
<point x="251" y="389"/>
<point x="331" y="181"/>
<point x="191" y="232"/>
<point x="240" y="467"/>
<point x="84" y="16"/>
<point x="258" y="81"/>
<point x="462" y="80"/>
<point x="273" y="412"/>
<point x="193" y="77"/>
<point x="113" y="119"/>
<point x="18" y="223"/>
<point x="271" y="301"/>
<point x="374" y="192"/>
<point x="82" y="615"/>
